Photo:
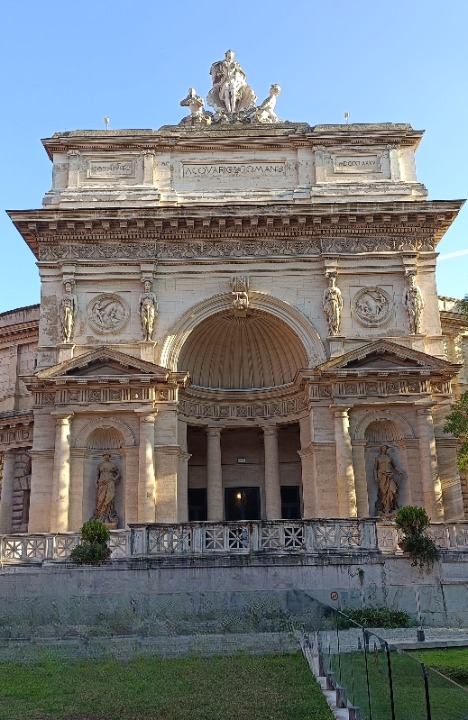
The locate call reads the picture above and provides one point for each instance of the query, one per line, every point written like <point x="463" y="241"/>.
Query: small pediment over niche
<point x="383" y="361"/>
<point x="100" y="369"/>
<point x="104" y="362"/>
<point x="387" y="355"/>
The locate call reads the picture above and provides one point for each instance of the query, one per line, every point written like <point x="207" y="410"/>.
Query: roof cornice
<point x="45" y="226"/>
<point x="233" y="137"/>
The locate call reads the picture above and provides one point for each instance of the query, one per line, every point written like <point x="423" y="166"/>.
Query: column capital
<point x="146" y="417"/>
<point x="145" y="412"/>
<point x="270" y="429"/>
<point x="340" y="410"/>
<point x="424" y="410"/>
<point x="213" y="431"/>
<point x="62" y="415"/>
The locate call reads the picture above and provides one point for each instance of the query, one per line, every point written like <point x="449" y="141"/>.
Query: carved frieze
<point x="17" y="436"/>
<point x="371" y="306"/>
<point x="247" y="410"/>
<point x="108" y="313"/>
<point x="232" y="248"/>
<point x="380" y="388"/>
<point x="89" y="395"/>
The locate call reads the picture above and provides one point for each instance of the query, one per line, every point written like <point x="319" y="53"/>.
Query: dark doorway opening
<point x="242" y="503"/>
<point x="197" y="506"/>
<point x="290" y="502"/>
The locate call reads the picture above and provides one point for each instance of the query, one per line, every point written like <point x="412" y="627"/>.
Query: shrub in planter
<point x="94" y="531"/>
<point x="413" y="522"/>
<point x="94" y="548"/>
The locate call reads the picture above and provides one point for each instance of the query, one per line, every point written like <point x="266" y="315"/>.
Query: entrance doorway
<point x="242" y="503"/>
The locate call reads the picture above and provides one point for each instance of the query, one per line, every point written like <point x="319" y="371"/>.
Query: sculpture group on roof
<point x="232" y="99"/>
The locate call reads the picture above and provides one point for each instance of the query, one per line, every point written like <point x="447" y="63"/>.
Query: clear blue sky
<point x="66" y="65"/>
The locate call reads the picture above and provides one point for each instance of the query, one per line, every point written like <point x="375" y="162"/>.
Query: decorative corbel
<point x="240" y="286"/>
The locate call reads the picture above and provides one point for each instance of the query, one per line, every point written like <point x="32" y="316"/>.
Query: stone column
<point x="360" y="477"/>
<point x="272" y="475"/>
<point x="214" y="473"/>
<point x="61" y="478"/>
<point x="308" y="467"/>
<point x="344" y="464"/>
<point x="146" y="478"/>
<point x="6" y="500"/>
<point x="182" y="474"/>
<point x="431" y="485"/>
<point x="12" y="392"/>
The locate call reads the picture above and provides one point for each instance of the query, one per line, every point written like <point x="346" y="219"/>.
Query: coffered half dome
<point x="229" y="352"/>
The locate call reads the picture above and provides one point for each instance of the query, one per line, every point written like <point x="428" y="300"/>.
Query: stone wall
<point x="257" y="595"/>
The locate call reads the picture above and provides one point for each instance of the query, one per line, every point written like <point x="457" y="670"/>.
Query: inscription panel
<point x="353" y="166"/>
<point x="98" y="171"/>
<point x="234" y="173"/>
<point x="104" y="169"/>
<point x="357" y="164"/>
<point x="257" y="170"/>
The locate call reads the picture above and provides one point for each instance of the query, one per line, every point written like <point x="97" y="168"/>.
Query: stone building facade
<point x="240" y="312"/>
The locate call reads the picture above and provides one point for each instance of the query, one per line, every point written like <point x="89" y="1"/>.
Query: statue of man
<point x="384" y="475"/>
<point x="67" y="313"/>
<point x="108" y="476"/>
<point x="413" y="302"/>
<point x="148" y="311"/>
<point x="230" y="92"/>
<point x="333" y="305"/>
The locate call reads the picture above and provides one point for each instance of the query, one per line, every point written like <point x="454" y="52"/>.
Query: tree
<point x="462" y="306"/>
<point x="457" y="424"/>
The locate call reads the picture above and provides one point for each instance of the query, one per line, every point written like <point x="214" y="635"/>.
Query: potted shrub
<point x="94" y="546"/>
<point x="413" y="523"/>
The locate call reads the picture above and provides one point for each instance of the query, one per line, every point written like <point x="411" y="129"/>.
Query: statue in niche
<point x="230" y="92"/>
<point x="196" y="104"/>
<point x="108" y="476"/>
<point x="148" y="311"/>
<point x="68" y="312"/>
<point x="240" y="291"/>
<point x="265" y="113"/>
<point x="385" y="472"/>
<point x="413" y="302"/>
<point x="333" y="304"/>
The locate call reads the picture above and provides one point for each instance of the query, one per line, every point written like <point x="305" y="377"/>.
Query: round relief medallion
<point x="371" y="306"/>
<point x="108" y="314"/>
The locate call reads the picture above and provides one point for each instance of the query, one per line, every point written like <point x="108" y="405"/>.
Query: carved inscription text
<point x="357" y="164"/>
<point x="258" y="169"/>
<point x="111" y="169"/>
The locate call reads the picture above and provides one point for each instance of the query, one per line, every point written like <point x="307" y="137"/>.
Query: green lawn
<point x="273" y="687"/>
<point x="452" y="662"/>
<point x="448" y="701"/>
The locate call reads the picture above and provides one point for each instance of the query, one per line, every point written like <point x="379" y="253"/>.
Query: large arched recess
<point x="305" y="333"/>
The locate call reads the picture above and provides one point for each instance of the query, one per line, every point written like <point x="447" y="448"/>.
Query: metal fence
<point x="371" y="677"/>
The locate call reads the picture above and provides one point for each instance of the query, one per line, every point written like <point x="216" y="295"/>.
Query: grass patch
<point x="447" y="700"/>
<point x="452" y="662"/>
<point x="242" y="687"/>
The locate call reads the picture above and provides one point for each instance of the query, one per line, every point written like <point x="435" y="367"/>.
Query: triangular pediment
<point x="104" y="362"/>
<point x="384" y="355"/>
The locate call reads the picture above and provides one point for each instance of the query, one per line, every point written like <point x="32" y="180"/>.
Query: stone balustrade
<point x="319" y="537"/>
